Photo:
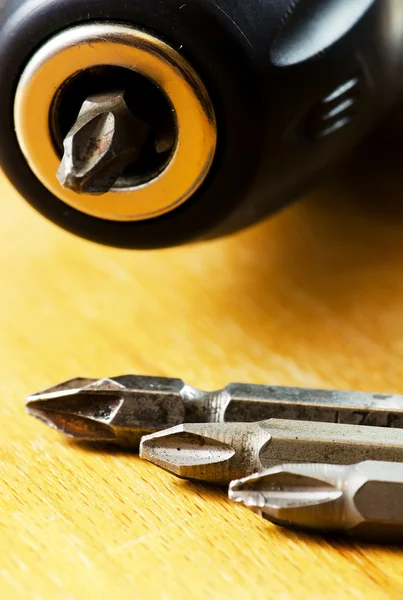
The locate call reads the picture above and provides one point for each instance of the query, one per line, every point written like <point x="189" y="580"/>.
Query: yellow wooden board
<point x="313" y="297"/>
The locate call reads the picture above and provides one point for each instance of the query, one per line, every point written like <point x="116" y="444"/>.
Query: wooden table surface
<point x="313" y="297"/>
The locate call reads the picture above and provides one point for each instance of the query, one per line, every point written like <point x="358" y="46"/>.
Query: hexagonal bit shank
<point x="103" y="141"/>
<point x="364" y="500"/>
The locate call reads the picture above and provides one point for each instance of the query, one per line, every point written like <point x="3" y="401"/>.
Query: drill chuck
<point x="146" y="192"/>
<point x="143" y="125"/>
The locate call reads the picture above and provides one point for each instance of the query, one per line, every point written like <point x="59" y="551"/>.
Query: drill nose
<point x="134" y="126"/>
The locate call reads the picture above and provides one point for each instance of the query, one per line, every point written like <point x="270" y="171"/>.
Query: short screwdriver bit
<point x="220" y="452"/>
<point x="123" y="409"/>
<point x="363" y="500"/>
<point x="103" y="141"/>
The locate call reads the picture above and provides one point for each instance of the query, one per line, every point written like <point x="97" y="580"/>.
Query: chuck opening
<point x="128" y="149"/>
<point x="129" y="136"/>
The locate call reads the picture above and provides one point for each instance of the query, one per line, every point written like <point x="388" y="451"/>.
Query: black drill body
<point x="295" y="87"/>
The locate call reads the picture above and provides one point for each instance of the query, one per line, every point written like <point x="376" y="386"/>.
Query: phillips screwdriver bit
<point x="103" y="141"/>
<point x="122" y="409"/>
<point x="364" y="500"/>
<point x="220" y="452"/>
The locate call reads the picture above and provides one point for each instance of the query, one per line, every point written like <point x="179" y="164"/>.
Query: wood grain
<point x="312" y="297"/>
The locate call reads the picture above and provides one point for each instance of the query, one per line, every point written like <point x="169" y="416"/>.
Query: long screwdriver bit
<point x="364" y="500"/>
<point x="220" y="452"/>
<point x="123" y="409"/>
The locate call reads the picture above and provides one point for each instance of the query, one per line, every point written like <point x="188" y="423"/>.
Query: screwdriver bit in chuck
<point x="103" y="141"/>
<point x="364" y="500"/>
<point x="220" y="452"/>
<point x="123" y="409"/>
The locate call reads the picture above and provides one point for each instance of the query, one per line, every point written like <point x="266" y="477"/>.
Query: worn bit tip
<point x="282" y="494"/>
<point x="184" y="452"/>
<point x="100" y="145"/>
<point x="85" y="416"/>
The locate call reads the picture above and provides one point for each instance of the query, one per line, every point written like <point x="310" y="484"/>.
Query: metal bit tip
<point x="185" y="452"/>
<point x="80" y="408"/>
<point x="103" y="141"/>
<point x="71" y="423"/>
<point x="276" y="492"/>
<point x="118" y="410"/>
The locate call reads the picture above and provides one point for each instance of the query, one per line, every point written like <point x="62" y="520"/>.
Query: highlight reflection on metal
<point x="87" y="46"/>
<point x="364" y="500"/>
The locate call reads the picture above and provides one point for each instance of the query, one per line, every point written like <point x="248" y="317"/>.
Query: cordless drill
<point x="143" y="124"/>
